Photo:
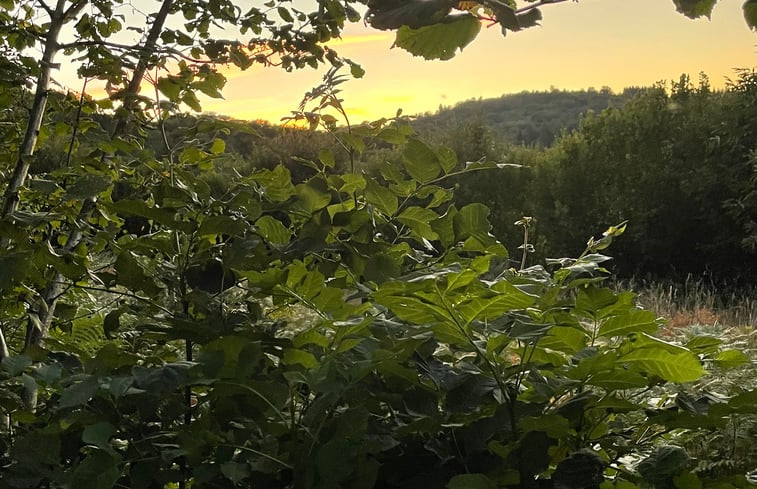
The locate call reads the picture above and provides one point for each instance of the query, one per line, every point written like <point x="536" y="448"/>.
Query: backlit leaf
<point x="695" y="8"/>
<point x="421" y="161"/>
<point x="673" y="367"/>
<point x="750" y="13"/>
<point x="439" y="41"/>
<point x="633" y="321"/>
<point x="381" y="197"/>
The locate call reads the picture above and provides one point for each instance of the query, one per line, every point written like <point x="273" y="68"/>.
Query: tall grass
<point x="697" y="302"/>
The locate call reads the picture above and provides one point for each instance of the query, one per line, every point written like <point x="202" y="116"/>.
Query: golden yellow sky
<point x="593" y="43"/>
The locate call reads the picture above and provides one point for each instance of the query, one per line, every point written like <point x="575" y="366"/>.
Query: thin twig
<point x="76" y="123"/>
<point x="537" y="5"/>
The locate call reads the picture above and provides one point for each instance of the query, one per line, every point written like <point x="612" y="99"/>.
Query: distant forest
<point x="678" y="161"/>
<point x="527" y="118"/>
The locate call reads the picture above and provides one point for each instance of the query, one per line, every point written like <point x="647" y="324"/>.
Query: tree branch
<point x="46" y="7"/>
<point x="537" y="5"/>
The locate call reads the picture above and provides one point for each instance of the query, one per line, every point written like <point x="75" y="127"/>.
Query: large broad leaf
<point x="276" y="183"/>
<point x="663" y="464"/>
<point x="616" y="380"/>
<point x="313" y="195"/>
<point x="78" y="393"/>
<point x="392" y="15"/>
<point x="439" y="41"/>
<point x="99" y="434"/>
<point x="419" y="219"/>
<point x="695" y="8"/>
<point x="214" y="225"/>
<point x="273" y="230"/>
<point x="88" y="186"/>
<point x="421" y="162"/>
<point x="13" y="267"/>
<point x="471" y="481"/>
<point x="633" y="321"/>
<point x="413" y="309"/>
<point x="381" y="197"/>
<point x="486" y="306"/>
<point x="130" y="273"/>
<point x="673" y="367"/>
<point x="98" y="471"/>
<point x="591" y="299"/>
<point x="472" y="221"/>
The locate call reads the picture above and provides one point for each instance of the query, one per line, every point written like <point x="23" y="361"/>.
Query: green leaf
<point x="687" y="480"/>
<point x="673" y="367"/>
<point x="13" y="267"/>
<point x="695" y="8"/>
<point x="235" y="471"/>
<point x="16" y="364"/>
<point x="276" y="183"/>
<point x="447" y="158"/>
<point x="218" y="146"/>
<point x="161" y="379"/>
<point x="704" y="344"/>
<point x="421" y="161"/>
<point x="273" y="230"/>
<point x="633" y="321"/>
<point x="99" y="434"/>
<point x="131" y="274"/>
<point x="732" y="358"/>
<point x="88" y="186"/>
<point x="553" y="425"/>
<point x="419" y="219"/>
<point x="98" y="471"/>
<point x="471" y="481"/>
<point x="662" y="465"/>
<point x="750" y="13"/>
<point x="326" y="156"/>
<point x="485" y="308"/>
<point x="472" y="221"/>
<point x="78" y="393"/>
<point x="215" y="225"/>
<point x="590" y="300"/>
<point x="529" y="19"/>
<point x="565" y="339"/>
<point x="381" y="197"/>
<point x="439" y="41"/>
<point x="313" y="195"/>
<point x="170" y="87"/>
<point x="618" y="379"/>
<point x="381" y="267"/>
<point x="300" y="357"/>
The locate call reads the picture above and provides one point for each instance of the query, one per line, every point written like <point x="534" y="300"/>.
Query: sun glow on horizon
<point x="594" y="43"/>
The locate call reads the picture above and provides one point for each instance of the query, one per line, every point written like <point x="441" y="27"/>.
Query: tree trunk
<point x="35" y="335"/>
<point x="57" y="19"/>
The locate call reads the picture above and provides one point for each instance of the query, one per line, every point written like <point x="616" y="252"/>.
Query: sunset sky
<point x="592" y="43"/>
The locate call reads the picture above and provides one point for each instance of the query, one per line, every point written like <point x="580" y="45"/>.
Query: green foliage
<point x="153" y="288"/>
<point x="677" y="165"/>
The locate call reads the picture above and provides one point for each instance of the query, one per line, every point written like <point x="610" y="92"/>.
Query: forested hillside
<point x="676" y="161"/>
<point x="528" y="118"/>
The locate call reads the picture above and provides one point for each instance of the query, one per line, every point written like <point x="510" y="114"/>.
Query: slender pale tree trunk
<point x="36" y="333"/>
<point x="58" y="19"/>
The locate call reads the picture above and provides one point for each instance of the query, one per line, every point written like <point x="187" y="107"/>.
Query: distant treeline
<point x="678" y="162"/>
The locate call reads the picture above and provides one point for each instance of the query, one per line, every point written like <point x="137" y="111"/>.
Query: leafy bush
<point x="425" y="359"/>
